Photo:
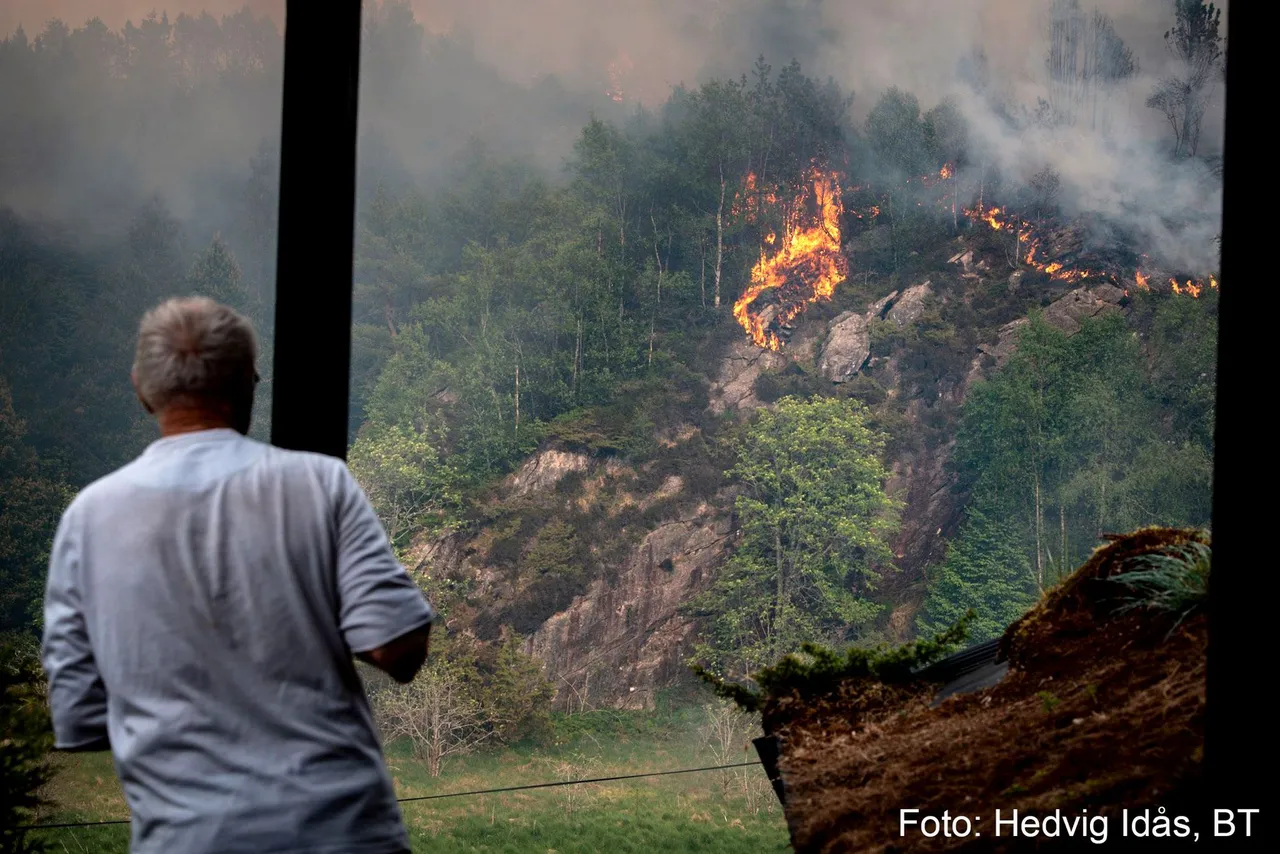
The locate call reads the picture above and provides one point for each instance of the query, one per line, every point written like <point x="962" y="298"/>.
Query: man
<point x="203" y="606"/>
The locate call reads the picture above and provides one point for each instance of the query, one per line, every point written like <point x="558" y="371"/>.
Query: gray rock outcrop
<point x="847" y="349"/>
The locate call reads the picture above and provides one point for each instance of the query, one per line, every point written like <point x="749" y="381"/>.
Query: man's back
<point x="221" y="586"/>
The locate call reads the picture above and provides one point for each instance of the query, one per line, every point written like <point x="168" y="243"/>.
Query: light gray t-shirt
<point x="202" y="609"/>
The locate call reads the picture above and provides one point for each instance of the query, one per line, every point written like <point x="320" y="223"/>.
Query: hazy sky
<point x="866" y="45"/>
<point x="872" y="43"/>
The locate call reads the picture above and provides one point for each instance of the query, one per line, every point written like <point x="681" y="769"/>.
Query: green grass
<point x="1175" y="581"/>
<point x="707" y="812"/>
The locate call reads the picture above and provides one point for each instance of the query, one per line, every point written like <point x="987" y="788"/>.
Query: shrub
<point x="25" y="741"/>
<point x="820" y="671"/>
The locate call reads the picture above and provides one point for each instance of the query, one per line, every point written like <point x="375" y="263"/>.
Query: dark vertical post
<point x="1239" y="725"/>
<point x="317" y="224"/>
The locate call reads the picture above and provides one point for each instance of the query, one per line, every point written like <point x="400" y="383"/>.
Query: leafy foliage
<point x="1067" y="443"/>
<point x="31" y="501"/>
<point x="814" y="525"/>
<point x="406" y="479"/>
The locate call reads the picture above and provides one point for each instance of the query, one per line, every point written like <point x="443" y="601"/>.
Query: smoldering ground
<point x="524" y="76"/>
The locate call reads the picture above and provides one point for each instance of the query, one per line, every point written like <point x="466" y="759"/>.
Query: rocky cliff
<point x="588" y="554"/>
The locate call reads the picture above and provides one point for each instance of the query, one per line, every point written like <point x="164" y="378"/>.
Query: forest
<point x="503" y="309"/>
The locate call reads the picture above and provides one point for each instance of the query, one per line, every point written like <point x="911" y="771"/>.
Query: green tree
<point x="814" y="522"/>
<point x="31" y="502"/>
<point x="985" y="570"/>
<point x="519" y="693"/>
<point x="411" y="484"/>
<point x="896" y="133"/>
<point x="215" y="274"/>
<point x="25" y="745"/>
<point x="1079" y="436"/>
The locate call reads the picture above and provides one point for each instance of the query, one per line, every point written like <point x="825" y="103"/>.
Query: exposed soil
<point x="1100" y="711"/>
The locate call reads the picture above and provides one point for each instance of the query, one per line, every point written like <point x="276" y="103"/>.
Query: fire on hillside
<point x="808" y="263"/>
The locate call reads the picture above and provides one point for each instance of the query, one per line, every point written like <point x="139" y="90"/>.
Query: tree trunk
<point x="719" y="239"/>
<point x="517" y="397"/>
<point x="1102" y="505"/>
<point x="893" y="234"/>
<point x="1039" y="520"/>
<point x="955" y="193"/>
<point x="702" y="283"/>
<point x="1062" y="523"/>
<point x="577" y="357"/>
<point x="651" y="334"/>
<point x="780" y="597"/>
<point x="657" y="256"/>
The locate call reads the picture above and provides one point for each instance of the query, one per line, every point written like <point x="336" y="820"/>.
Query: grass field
<point x="713" y="811"/>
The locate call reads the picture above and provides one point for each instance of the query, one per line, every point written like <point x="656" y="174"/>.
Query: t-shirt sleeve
<point x="77" y="695"/>
<point x="378" y="601"/>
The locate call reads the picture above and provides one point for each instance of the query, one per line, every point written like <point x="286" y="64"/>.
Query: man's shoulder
<point x="122" y="483"/>
<point x="332" y="470"/>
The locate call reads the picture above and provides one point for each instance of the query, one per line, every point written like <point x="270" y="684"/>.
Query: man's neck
<point x="175" y="421"/>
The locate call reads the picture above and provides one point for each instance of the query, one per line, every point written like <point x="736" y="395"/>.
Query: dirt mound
<point x="1102" y="710"/>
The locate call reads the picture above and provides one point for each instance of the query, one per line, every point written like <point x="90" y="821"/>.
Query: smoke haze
<point x="523" y="76"/>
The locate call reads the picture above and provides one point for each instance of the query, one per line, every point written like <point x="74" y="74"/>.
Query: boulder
<point x="734" y="387"/>
<point x="882" y="305"/>
<point x="910" y="306"/>
<point x="847" y="348"/>
<point x="1080" y="304"/>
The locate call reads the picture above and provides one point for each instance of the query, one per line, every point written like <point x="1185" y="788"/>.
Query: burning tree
<point x="807" y="266"/>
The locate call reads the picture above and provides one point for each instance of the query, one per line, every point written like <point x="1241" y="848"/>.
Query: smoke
<point x="522" y="76"/>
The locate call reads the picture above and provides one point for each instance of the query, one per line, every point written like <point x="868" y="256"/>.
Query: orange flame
<point x="806" y="268"/>
<point x="999" y="220"/>
<point x="617" y="69"/>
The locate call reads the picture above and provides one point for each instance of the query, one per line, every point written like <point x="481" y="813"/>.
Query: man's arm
<point x="403" y="657"/>
<point x="77" y="696"/>
<point x="384" y="617"/>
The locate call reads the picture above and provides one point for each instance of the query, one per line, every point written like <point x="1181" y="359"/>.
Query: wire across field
<point x="654" y="783"/>
<point x="550" y="785"/>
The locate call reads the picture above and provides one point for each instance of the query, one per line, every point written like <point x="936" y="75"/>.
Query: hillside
<point x="761" y="364"/>
<point x="593" y="549"/>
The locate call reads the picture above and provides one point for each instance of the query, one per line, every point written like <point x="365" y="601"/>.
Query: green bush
<point x="25" y="741"/>
<point x="820" y="671"/>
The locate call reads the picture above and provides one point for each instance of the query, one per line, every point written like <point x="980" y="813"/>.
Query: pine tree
<point x="215" y="274"/>
<point x="986" y="569"/>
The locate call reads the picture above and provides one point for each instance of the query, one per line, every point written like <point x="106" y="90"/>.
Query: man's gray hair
<point x="193" y="347"/>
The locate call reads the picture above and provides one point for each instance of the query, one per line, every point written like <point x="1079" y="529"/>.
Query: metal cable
<point x="455" y="794"/>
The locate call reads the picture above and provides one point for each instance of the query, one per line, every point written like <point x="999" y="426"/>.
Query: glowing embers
<point x="619" y="69"/>
<point x="802" y="266"/>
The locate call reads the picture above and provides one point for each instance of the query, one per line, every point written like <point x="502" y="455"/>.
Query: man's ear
<point x="133" y="378"/>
